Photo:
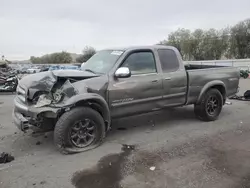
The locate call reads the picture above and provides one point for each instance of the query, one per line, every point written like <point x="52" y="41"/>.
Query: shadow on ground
<point x="167" y="117"/>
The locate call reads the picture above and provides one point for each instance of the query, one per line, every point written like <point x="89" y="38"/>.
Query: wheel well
<point x="222" y="90"/>
<point x="95" y="106"/>
<point x="92" y="104"/>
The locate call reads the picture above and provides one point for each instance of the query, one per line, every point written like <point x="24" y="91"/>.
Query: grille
<point x="21" y="93"/>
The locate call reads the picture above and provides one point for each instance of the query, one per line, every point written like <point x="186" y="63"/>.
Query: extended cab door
<point x="140" y="92"/>
<point x="174" y="78"/>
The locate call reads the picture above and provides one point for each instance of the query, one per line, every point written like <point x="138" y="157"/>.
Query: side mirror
<point x="122" y="72"/>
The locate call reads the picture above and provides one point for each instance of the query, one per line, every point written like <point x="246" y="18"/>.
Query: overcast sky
<point x="37" y="27"/>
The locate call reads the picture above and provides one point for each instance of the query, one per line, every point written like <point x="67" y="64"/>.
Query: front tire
<point x="210" y="106"/>
<point x="78" y="130"/>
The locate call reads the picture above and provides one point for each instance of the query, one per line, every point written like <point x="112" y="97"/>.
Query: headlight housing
<point x="56" y="96"/>
<point x="47" y="99"/>
<point x="43" y="100"/>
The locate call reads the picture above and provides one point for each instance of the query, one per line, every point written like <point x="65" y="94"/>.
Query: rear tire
<point x="210" y="106"/>
<point x="74" y="125"/>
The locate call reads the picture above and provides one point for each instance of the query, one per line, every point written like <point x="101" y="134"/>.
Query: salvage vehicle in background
<point x="8" y="83"/>
<point x="63" y="67"/>
<point x="33" y="70"/>
<point x="80" y="104"/>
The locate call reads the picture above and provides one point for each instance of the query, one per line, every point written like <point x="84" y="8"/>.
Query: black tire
<point x="201" y="110"/>
<point x="62" y="137"/>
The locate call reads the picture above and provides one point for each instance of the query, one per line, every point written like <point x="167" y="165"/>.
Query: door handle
<point x="155" y="81"/>
<point x="168" y="78"/>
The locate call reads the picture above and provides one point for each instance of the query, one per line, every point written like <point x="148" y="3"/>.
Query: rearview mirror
<point x="122" y="72"/>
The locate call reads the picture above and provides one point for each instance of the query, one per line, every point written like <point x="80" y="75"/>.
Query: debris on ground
<point x="152" y="123"/>
<point x="42" y="182"/>
<point x="6" y="157"/>
<point x="152" y="168"/>
<point x="245" y="97"/>
<point x="38" y="133"/>
<point x="38" y="143"/>
<point x="247" y="94"/>
<point x="126" y="147"/>
<point x="228" y="103"/>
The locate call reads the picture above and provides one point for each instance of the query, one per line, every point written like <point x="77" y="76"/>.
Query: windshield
<point x="102" y="61"/>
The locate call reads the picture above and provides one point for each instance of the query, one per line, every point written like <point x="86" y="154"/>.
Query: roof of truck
<point x="143" y="47"/>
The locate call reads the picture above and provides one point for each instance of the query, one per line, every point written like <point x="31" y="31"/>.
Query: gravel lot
<point x="165" y="149"/>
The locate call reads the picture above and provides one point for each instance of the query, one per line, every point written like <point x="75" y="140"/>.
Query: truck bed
<point x="200" y="75"/>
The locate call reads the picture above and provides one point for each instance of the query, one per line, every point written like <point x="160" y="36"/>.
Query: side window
<point x="140" y="63"/>
<point x="169" y="60"/>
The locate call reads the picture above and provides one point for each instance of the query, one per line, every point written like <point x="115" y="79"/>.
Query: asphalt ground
<point x="169" y="148"/>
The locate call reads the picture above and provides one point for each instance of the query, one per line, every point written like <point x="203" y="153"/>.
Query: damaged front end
<point x="42" y="98"/>
<point x="57" y="96"/>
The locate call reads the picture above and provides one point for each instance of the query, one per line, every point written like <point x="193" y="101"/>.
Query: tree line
<point x="212" y="44"/>
<point x="87" y="53"/>
<point x="64" y="57"/>
<point x="54" y="58"/>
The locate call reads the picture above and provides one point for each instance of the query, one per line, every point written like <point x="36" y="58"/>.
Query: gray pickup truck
<point x="80" y="104"/>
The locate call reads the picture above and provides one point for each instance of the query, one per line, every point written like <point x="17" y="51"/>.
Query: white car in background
<point x="33" y="70"/>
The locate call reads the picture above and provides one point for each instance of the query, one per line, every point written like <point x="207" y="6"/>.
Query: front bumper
<point x="20" y="121"/>
<point x="25" y="116"/>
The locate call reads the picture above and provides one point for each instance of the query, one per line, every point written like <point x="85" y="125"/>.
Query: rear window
<point x="169" y="60"/>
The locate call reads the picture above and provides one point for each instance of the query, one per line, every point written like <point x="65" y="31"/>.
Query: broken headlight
<point x="43" y="100"/>
<point x="66" y="91"/>
<point x="47" y="99"/>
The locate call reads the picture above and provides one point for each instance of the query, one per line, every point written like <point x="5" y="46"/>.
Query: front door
<point x="140" y="92"/>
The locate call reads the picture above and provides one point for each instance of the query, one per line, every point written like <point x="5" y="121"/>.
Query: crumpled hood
<point x="45" y="80"/>
<point x="73" y="73"/>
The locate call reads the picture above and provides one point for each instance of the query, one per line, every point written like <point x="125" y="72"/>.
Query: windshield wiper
<point x="89" y="70"/>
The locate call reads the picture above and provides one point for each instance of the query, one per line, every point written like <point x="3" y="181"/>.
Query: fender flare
<point x="93" y="97"/>
<point x="210" y="85"/>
